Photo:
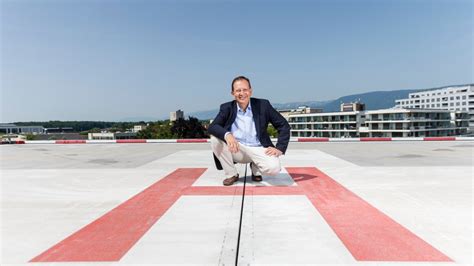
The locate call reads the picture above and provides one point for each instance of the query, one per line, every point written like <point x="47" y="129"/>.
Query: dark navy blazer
<point x="263" y="113"/>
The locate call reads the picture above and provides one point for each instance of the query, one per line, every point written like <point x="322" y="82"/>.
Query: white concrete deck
<point x="395" y="203"/>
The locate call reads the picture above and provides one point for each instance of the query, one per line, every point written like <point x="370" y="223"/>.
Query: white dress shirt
<point x="243" y="128"/>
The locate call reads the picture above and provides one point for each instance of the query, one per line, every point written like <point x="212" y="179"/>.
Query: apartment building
<point x="414" y="123"/>
<point x="300" y="110"/>
<point x="14" y="129"/>
<point x="328" y="125"/>
<point x="453" y="98"/>
<point x="174" y="116"/>
<point x="395" y="122"/>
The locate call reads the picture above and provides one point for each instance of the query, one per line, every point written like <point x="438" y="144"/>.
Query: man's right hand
<point x="232" y="143"/>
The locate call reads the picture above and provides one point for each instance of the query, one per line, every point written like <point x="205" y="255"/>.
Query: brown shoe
<point x="231" y="180"/>
<point x="257" y="178"/>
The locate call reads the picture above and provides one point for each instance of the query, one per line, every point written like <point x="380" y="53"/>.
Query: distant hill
<point x="294" y="105"/>
<point x="373" y="100"/>
<point x="203" y="115"/>
<point x="139" y="118"/>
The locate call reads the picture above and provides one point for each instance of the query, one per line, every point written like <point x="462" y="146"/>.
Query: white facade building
<point x="454" y="98"/>
<point x="300" y="110"/>
<point x="176" y="115"/>
<point x="395" y="122"/>
<point x="328" y="125"/>
<point x="101" y="135"/>
<point x="398" y="122"/>
<point x="137" y="128"/>
<point x="14" y="129"/>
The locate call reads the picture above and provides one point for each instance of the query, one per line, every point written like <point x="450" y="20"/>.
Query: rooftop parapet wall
<point x="185" y="141"/>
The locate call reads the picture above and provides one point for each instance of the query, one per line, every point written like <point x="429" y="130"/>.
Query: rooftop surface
<point x="360" y="203"/>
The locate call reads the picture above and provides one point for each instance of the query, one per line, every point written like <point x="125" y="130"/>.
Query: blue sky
<point x="109" y="60"/>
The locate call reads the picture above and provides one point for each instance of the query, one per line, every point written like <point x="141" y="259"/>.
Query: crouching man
<point x="239" y="134"/>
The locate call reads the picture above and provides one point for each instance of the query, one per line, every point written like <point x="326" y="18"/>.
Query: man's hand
<point x="271" y="151"/>
<point x="232" y="143"/>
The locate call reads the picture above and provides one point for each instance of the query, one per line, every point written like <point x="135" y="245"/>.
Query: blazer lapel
<point x="256" y="114"/>
<point x="233" y="114"/>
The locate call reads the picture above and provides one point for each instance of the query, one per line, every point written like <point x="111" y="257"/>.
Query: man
<point x="239" y="134"/>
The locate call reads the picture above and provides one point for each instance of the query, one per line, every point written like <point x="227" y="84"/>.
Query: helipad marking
<point x="368" y="234"/>
<point x="109" y="237"/>
<point x="255" y="191"/>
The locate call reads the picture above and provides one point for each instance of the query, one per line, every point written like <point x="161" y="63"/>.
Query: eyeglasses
<point x="242" y="90"/>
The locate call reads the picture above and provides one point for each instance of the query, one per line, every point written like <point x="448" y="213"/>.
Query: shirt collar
<point x="249" y="108"/>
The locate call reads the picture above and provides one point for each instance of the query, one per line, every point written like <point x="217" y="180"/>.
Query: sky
<point x="113" y="60"/>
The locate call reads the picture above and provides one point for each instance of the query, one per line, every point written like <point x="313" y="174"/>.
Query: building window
<point x="451" y="98"/>
<point x="451" y="104"/>
<point x="458" y="97"/>
<point x="463" y="103"/>
<point x="464" y="97"/>
<point x="432" y="105"/>
<point x="437" y="105"/>
<point x="457" y="104"/>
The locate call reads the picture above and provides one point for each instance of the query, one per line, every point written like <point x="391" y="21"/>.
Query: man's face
<point x="242" y="92"/>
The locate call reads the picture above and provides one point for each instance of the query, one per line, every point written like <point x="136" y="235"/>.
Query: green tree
<point x="165" y="132"/>
<point x="188" y="129"/>
<point x="157" y="130"/>
<point x="30" y="137"/>
<point x="94" y="130"/>
<point x="179" y="128"/>
<point x="272" y="132"/>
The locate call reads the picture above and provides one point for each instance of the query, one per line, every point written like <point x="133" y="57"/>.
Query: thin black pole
<point x="241" y="215"/>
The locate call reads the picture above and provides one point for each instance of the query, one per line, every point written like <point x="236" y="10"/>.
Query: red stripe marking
<point x="313" y="139"/>
<point x="439" y="138"/>
<point x="209" y="190"/>
<point x="375" y="139"/>
<point x="368" y="234"/>
<point x="109" y="237"/>
<point x="257" y="190"/>
<point x="191" y="140"/>
<point x="131" y="141"/>
<point x="71" y="141"/>
<point x="274" y="190"/>
<point x="20" y="142"/>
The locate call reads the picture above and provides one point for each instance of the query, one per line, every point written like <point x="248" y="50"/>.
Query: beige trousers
<point x="262" y="164"/>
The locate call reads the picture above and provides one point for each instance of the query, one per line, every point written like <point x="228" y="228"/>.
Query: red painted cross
<point x="367" y="233"/>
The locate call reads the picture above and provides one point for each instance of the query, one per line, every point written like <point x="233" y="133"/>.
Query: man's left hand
<point x="271" y="151"/>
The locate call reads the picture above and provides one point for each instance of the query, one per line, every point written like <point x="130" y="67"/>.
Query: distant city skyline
<point x="110" y="60"/>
